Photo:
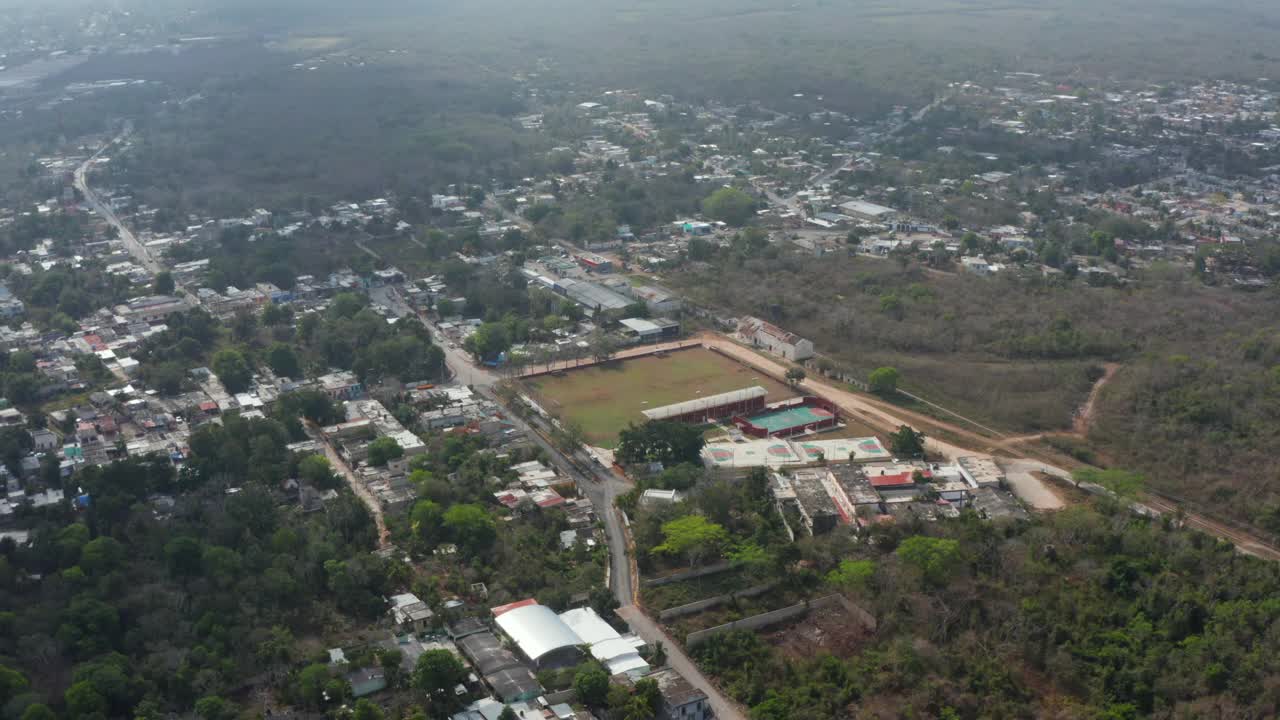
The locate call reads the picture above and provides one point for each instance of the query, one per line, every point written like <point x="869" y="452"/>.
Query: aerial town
<point x="531" y="447"/>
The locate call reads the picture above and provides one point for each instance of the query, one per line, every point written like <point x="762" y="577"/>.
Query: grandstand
<point x="713" y="407"/>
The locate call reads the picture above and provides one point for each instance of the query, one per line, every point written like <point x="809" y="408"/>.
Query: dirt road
<point x="1084" y="418"/>
<point x="359" y="488"/>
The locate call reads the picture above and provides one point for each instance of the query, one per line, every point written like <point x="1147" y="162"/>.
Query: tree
<point x="592" y="686"/>
<point x="163" y="283"/>
<point x="38" y="711"/>
<point x="693" y="536"/>
<point x="795" y="376"/>
<point x="852" y="574"/>
<point x="384" y="450"/>
<point x="232" y="369"/>
<point x="437" y="672"/>
<point x="366" y="709"/>
<point x="83" y="701"/>
<point x="184" y="556"/>
<point x="283" y="361"/>
<point x="729" y="205"/>
<point x="883" y="380"/>
<point x="427" y="521"/>
<point x="12" y="684"/>
<point x="470" y="527"/>
<point x="316" y="470"/>
<point x="508" y="714"/>
<point x="212" y="707"/>
<point x="907" y="442"/>
<point x="933" y="557"/>
<point x="666" y="442"/>
<point x="603" y="346"/>
<point x="311" y="684"/>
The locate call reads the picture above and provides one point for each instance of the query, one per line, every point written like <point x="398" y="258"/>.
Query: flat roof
<point x="870" y="209"/>
<point x="641" y="326"/>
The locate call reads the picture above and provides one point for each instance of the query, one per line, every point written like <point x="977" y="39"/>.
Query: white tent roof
<point x="619" y="653"/>
<point x="537" y="630"/>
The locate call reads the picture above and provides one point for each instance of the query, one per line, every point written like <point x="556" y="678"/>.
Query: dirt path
<point x="1082" y="421"/>
<point x="1084" y="418"/>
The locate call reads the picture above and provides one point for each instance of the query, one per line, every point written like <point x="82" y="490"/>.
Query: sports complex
<point x="766" y="422"/>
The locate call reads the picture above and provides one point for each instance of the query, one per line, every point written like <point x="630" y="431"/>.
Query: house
<point x="44" y="440"/>
<point x="341" y="385"/>
<point x="410" y="614"/>
<point x="366" y="681"/>
<point x="680" y="699"/>
<point x="776" y="340"/>
<point x="975" y="265"/>
<point x="151" y="308"/>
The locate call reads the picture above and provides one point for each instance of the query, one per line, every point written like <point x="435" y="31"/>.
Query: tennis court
<point x="782" y="421"/>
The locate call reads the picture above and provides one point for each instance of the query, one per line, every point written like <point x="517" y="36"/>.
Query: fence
<point x="660" y="349"/>
<point x="706" y="604"/>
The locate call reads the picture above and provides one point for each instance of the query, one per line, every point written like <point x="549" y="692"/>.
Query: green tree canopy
<point x="933" y="557"/>
<point x="907" y="442"/>
<point x="692" y="536"/>
<point x="592" y="686"/>
<point x="470" y="527"/>
<point x="729" y="205"/>
<point x="670" y="443"/>
<point x="884" y="380"/>
<point x="384" y="450"/>
<point x="437" y="672"/>
<point x="232" y="369"/>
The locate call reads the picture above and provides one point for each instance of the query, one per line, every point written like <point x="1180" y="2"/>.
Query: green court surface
<point x="792" y="417"/>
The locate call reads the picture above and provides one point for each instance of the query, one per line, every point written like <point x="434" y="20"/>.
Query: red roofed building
<point x="501" y="609"/>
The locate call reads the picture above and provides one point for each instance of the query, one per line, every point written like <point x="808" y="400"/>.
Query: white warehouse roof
<point x="711" y="401"/>
<point x="537" y="630"/>
<point x="620" y="654"/>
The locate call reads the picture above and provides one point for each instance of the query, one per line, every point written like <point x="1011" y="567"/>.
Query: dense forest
<point x="1082" y="614"/>
<point x="164" y="588"/>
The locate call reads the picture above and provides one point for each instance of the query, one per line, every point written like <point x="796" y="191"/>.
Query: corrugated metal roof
<point x="706" y="403"/>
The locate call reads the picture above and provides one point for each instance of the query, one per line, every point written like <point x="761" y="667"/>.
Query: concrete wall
<point x="689" y="574"/>
<point x="699" y="605"/>
<point x="774" y="617"/>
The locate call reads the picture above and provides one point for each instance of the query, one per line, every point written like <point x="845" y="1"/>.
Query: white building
<point x="776" y="340"/>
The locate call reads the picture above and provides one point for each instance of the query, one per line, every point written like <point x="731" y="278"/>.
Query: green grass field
<point x="604" y="399"/>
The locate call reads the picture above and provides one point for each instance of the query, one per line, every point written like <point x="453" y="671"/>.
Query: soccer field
<point x="604" y="399"/>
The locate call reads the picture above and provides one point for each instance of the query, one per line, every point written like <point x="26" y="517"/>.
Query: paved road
<point x="602" y="486"/>
<point x="457" y="359"/>
<point x="642" y="625"/>
<point x="131" y="243"/>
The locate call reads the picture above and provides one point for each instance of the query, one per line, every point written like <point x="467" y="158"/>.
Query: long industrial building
<point x="747" y="401"/>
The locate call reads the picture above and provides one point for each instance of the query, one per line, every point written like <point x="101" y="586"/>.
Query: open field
<point x="603" y="399"/>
